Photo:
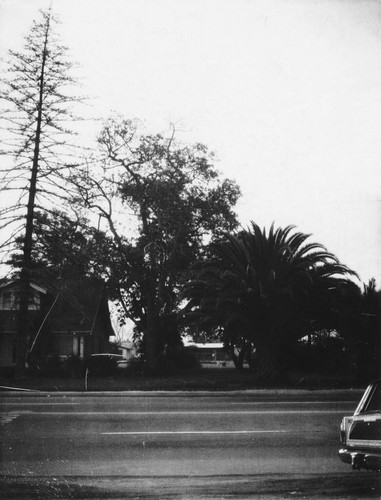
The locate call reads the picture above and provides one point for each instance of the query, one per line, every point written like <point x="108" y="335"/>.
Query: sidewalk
<point x="211" y="381"/>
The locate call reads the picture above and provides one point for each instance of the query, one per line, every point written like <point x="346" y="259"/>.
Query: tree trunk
<point x="237" y="359"/>
<point x="266" y="360"/>
<point x="250" y="355"/>
<point x="23" y="332"/>
<point x="151" y="365"/>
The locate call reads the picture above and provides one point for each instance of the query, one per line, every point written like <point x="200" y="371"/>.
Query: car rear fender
<point x="365" y="431"/>
<point x="344" y="428"/>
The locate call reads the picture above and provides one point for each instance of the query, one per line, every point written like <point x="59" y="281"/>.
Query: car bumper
<point x="360" y="459"/>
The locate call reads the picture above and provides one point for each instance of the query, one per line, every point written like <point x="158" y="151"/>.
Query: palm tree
<point x="359" y="325"/>
<point x="260" y="287"/>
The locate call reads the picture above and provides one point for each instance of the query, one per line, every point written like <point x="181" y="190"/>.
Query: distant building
<point x="210" y="353"/>
<point x="127" y="349"/>
<point x="68" y="318"/>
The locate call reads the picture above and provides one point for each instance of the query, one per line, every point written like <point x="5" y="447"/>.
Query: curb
<point x="11" y="392"/>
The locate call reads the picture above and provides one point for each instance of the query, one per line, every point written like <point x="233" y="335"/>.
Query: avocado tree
<point x="171" y="202"/>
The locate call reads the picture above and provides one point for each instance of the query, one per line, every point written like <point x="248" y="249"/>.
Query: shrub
<point x="101" y="365"/>
<point x="177" y="359"/>
<point x="74" y="366"/>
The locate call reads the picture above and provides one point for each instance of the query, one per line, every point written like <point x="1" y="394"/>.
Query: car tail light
<point x="344" y="429"/>
<point x="342" y="432"/>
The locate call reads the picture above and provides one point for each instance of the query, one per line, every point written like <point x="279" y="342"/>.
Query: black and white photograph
<point x="190" y="249"/>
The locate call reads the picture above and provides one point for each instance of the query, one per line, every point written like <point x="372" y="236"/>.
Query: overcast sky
<point x="286" y="92"/>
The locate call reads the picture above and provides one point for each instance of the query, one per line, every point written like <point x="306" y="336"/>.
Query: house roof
<point x="71" y="305"/>
<point x="4" y="284"/>
<point x="78" y="303"/>
<point x="206" y="345"/>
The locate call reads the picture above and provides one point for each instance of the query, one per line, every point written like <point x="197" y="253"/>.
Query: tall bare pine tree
<point x="36" y="96"/>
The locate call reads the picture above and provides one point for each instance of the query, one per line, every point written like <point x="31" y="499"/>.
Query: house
<point x="66" y="318"/>
<point x="127" y="349"/>
<point x="210" y="353"/>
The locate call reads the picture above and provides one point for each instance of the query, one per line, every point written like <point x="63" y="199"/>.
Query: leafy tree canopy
<point x="172" y="202"/>
<point x="65" y="247"/>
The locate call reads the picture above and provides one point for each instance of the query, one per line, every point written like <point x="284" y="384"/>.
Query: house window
<point x="10" y="300"/>
<point x="66" y="345"/>
<point x="82" y="347"/>
<point x="62" y="344"/>
<point x="34" y="301"/>
<point x="7" y="301"/>
<point x="14" y="351"/>
<point x="79" y="345"/>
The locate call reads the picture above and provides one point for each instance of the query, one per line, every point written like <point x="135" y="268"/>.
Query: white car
<point x="361" y="432"/>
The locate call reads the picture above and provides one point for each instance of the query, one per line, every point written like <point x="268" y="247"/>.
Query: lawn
<point x="209" y="379"/>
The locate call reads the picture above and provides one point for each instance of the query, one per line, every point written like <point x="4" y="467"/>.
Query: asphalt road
<point x="178" y="446"/>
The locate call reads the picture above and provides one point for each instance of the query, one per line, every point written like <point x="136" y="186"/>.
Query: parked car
<point x="361" y="433"/>
<point x="104" y="363"/>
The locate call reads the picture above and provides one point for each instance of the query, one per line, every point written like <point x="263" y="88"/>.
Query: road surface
<point x="188" y="445"/>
